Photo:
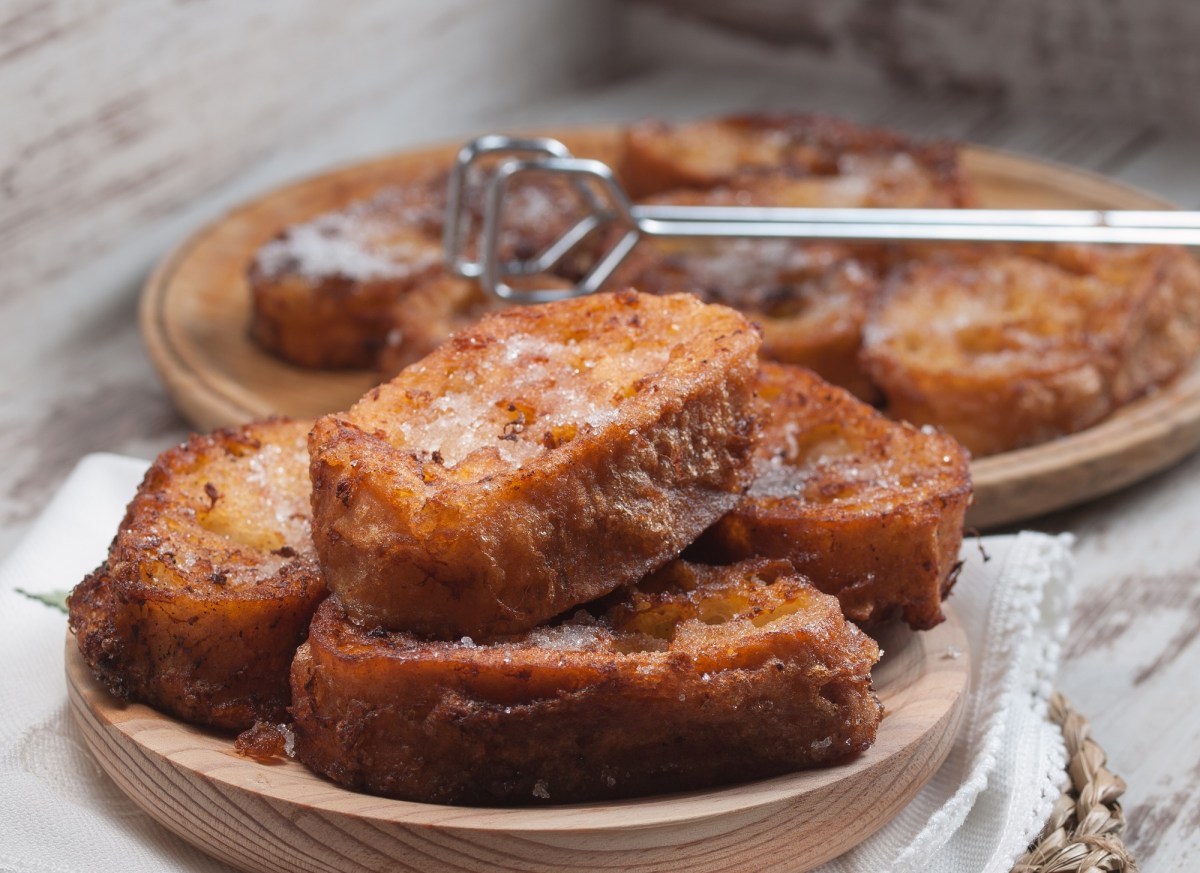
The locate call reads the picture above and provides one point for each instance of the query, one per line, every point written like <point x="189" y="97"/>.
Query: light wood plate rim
<point x="923" y="688"/>
<point x="1135" y="442"/>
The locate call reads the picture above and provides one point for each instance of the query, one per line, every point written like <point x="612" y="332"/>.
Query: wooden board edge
<point x="988" y="158"/>
<point x="1144" y="437"/>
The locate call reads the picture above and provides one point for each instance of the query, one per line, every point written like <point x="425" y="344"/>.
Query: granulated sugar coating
<point x="555" y="389"/>
<point x="385" y="236"/>
<point x="362" y="286"/>
<point x="534" y="462"/>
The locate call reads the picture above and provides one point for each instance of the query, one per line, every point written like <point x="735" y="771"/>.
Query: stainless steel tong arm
<point x="609" y="205"/>
<point x="988" y="225"/>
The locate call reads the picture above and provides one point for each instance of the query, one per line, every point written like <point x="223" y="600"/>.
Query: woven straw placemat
<point x="1083" y="834"/>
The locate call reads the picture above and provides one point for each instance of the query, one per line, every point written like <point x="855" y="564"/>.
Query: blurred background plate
<point x="195" y="312"/>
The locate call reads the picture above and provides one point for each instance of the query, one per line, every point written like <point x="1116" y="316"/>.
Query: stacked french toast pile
<point x="621" y="545"/>
<point x="1003" y="346"/>
<point x="581" y="551"/>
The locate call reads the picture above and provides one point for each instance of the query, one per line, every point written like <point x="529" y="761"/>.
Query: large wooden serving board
<point x="279" y="816"/>
<point x="196" y="309"/>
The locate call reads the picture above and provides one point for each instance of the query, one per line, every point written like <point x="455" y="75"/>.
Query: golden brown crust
<point x="869" y="509"/>
<point x="811" y="299"/>
<point x="1009" y="347"/>
<point x="705" y="676"/>
<point x="1160" y="303"/>
<point x="328" y="293"/>
<point x="660" y="156"/>
<point x="210" y="581"/>
<point x="534" y="462"/>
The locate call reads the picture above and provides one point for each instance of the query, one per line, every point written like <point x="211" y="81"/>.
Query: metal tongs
<point x="608" y="204"/>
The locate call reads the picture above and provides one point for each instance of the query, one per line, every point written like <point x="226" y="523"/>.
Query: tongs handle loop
<point x="619" y="210"/>
<point x="457" y="225"/>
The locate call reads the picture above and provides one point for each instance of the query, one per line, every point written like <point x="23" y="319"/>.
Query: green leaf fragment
<point x="55" y="599"/>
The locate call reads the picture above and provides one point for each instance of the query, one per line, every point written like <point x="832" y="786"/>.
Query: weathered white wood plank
<point x="683" y="92"/>
<point x="1134" y="651"/>
<point x="1130" y="59"/>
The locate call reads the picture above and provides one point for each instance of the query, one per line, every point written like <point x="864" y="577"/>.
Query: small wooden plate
<point x="280" y="817"/>
<point x="196" y="308"/>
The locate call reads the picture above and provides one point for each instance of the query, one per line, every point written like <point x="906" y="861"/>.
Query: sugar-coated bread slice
<point x="323" y="290"/>
<point x="697" y="677"/>
<point x="534" y="462"/>
<point x="660" y="155"/>
<point x="869" y="509"/>
<point x="1011" y="347"/>
<point x="1159" y="308"/>
<point x="210" y="582"/>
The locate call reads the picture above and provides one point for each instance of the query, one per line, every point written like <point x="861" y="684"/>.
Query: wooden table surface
<point x="76" y="385"/>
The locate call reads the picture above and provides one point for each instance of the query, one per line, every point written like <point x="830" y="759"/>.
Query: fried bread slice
<point x="659" y="156"/>
<point x="329" y="292"/>
<point x="697" y="677"/>
<point x="810" y="299"/>
<point x="325" y="291"/>
<point x="1160" y="306"/>
<point x="1011" y="347"/>
<point x="210" y="582"/>
<point x="869" y="509"/>
<point x="536" y="461"/>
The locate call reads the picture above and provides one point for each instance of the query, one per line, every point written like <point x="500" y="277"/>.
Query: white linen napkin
<point x="59" y="813"/>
